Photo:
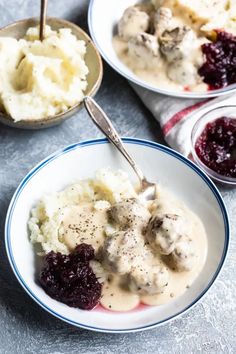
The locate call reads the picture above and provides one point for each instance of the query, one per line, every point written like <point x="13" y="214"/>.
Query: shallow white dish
<point x="81" y="160"/>
<point x="103" y="17"/>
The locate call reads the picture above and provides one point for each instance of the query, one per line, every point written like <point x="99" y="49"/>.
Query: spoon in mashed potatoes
<point x="43" y="82"/>
<point x="43" y="16"/>
<point x="147" y="189"/>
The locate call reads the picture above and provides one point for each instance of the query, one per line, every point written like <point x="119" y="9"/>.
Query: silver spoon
<point x="43" y="15"/>
<point x="148" y="189"/>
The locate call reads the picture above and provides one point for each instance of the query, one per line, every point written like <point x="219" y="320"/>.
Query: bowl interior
<point x="161" y="165"/>
<point x="92" y="58"/>
<point x="102" y="28"/>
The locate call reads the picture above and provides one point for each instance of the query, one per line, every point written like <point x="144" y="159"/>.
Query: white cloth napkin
<point x="177" y="115"/>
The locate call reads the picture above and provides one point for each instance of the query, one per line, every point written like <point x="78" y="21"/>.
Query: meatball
<point x="129" y="213"/>
<point x="123" y="250"/>
<point x="144" y="49"/>
<point x="163" y="231"/>
<point x="132" y="22"/>
<point x="176" y="44"/>
<point x="148" y="281"/>
<point x="162" y="20"/>
<point x="183" y="72"/>
<point x="183" y="256"/>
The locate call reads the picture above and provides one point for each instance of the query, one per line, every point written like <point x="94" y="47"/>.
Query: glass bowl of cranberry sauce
<point x="214" y="144"/>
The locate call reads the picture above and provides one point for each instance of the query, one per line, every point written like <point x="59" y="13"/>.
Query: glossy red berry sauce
<point x="219" y="68"/>
<point x="70" y="279"/>
<point x="216" y="146"/>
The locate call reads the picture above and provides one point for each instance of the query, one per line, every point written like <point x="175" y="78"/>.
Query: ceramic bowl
<point x="103" y="17"/>
<point x="92" y="58"/>
<point x="78" y="161"/>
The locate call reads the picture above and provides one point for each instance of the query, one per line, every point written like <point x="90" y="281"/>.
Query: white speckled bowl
<point x="103" y="17"/>
<point x="81" y="160"/>
<point x="92" y="59"/>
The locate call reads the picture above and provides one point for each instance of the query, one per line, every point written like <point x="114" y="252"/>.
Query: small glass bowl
<point x="212" y="115"/>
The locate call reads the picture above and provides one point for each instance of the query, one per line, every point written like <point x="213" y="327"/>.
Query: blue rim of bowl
<point x="87" y="143"/>
<point x="214" y="93"/>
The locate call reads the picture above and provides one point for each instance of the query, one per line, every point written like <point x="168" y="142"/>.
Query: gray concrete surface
<point x="24" y="327"/>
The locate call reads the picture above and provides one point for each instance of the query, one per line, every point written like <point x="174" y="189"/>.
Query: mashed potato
<point x="106" y="188"/>
<point x="41" y="79"/>
<point x="204" y="15"/>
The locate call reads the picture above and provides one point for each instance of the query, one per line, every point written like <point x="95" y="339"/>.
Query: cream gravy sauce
<point x="155" y="76"/>
<point x="84" y="224"/>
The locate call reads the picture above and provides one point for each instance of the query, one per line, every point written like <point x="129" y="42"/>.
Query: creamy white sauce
<point x="116" y="297"/>
<point x="156" y="76"/>
<point x="85" y="224"/>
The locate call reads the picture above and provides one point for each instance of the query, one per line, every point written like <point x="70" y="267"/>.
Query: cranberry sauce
<point x="219" y="69"/>
<point x="70" y="279"/>
<point x="216" y="146"/>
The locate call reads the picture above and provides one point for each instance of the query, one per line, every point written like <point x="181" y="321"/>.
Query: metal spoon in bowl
<point x="43" y="15"/>
<point x="148" y="189"/>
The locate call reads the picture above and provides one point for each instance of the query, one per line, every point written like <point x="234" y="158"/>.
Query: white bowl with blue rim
<point x="103" y="17"/>
<point x="81" y="160"/>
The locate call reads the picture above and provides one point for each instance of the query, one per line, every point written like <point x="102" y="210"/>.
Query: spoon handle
<point x="101" y="120"/>
<point x="43" y="15"/>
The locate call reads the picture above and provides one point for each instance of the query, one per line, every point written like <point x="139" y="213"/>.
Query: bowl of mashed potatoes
<point x="44" y="82"/>
<point x="88" y="251"/>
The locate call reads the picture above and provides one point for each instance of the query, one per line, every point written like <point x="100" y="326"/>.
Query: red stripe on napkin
<point x="180" y="115"/>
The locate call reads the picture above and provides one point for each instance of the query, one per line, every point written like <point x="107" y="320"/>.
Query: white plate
<point x="103" y="17"/>
<point x="81" y="160"/>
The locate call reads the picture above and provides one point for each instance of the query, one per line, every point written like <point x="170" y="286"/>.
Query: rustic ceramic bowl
<point x="92" y="59"/>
